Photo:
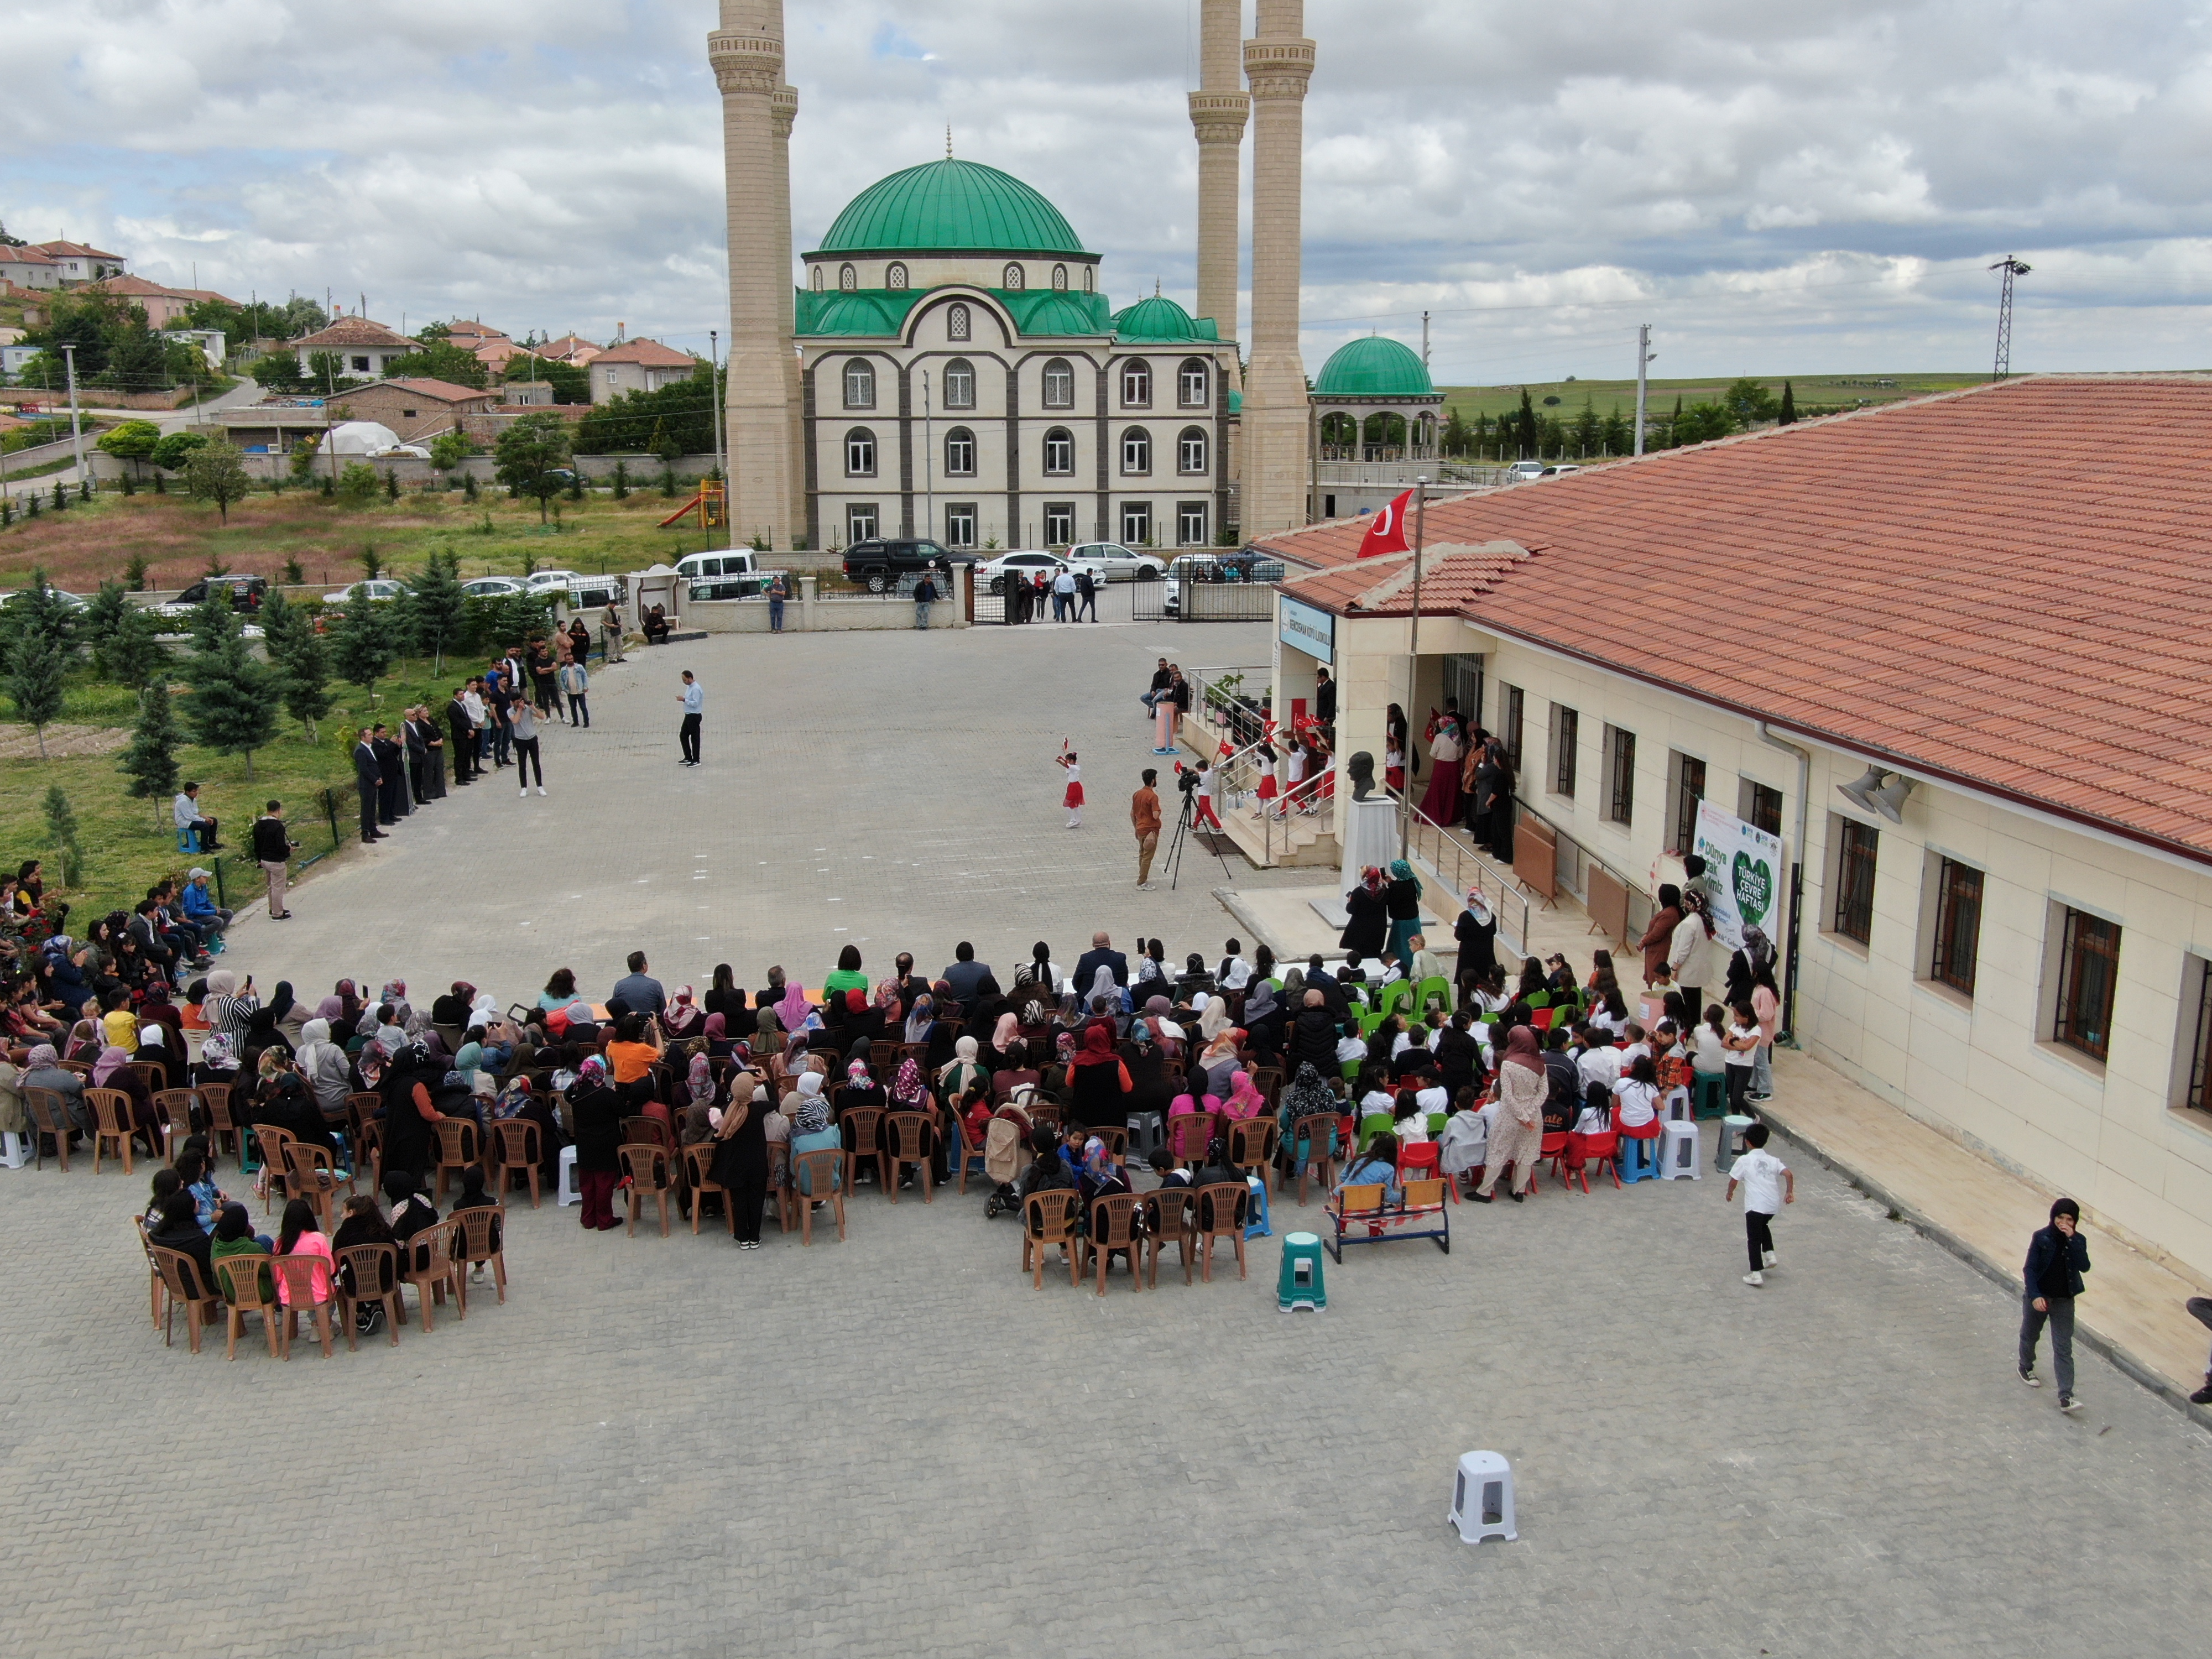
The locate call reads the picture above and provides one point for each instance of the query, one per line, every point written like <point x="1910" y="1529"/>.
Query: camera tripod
<point x="1174" y="847"/>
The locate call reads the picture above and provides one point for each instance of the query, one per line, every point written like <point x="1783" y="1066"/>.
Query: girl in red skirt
<point x="1073" y="798"/>
<point x="1268" y="760"/>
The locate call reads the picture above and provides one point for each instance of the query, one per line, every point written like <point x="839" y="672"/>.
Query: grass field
<point x="1824" y="390"/>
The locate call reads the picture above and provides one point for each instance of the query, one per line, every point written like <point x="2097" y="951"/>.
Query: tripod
<point x="1174" y="847"/>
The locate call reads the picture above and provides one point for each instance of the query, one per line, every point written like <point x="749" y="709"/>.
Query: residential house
<point x="276" y="427"/>
<point x="491" y="347"/>
<point x="364" y="349"/>
<point x="417" y="410"/>
<point x="164" y="307"/>
<point x="571" y="349"/>
<point x="210" y="342"/>
<point x="29" y="267"/>
<point x="74" y="262"/>
<point x="638" y="365"/>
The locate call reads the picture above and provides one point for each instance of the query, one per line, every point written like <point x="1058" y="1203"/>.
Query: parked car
<point x="493" y="587"/>
<point x="1121" y="564"/>
<point x="733" y="574"/>
<point x="594" y="592"/>
<point x="878" y="563"/>
<point x="992" y="573"/>
<point x="65" y="597"/>
<point x="1245" y="566"/>
<point x="246" y="592"/>
<point x="1521" y="471"/>
<point x="545" y="581"/>
<point x="376" y="590"/>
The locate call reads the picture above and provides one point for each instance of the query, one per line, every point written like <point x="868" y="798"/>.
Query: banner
<point x="1743" y="874"/>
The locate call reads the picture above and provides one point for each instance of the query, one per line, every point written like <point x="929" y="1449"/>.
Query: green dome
<point x="1161" y="319"/>
<point x="1376" y="367"/>
<point x="951" y="207"/>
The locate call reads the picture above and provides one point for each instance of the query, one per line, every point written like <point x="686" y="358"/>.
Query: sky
<point x="1779" y="187"/>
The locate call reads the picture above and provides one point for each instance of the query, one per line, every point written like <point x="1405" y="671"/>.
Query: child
<point x="1268" y="761"/>
<point x="1203" y="813"/>
<point x="1768" y="1183"/>
<point x="1743" y="1042"/>
<point x="1163" y="1166"/>
<point x="1072" y="801"/>
<point x="301" y="1236"/>
<point x="166" y="1180"/>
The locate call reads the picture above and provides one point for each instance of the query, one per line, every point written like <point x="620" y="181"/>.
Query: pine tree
<point x="1525" y="426"/>
<point x="302" y="664"/>
<point x="61" y="827"/>
<point x="135" y="658"/>
<point x="34" y="682"/>
<point x="150" y="761"/>
<point x="363" y="638"/>
<point x="97" y="622"/>
<point x="233" y="701"/>
<point x="133" y="574"/>
<point x="433" y="605"/>
<point x="469" y="486"/>
<point x="213" y="621"/>
<point x="1789" y="415"/>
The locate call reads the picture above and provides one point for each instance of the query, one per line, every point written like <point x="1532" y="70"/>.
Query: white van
<point x="733" y="573"/>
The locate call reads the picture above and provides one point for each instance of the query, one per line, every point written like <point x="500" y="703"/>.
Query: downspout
<point x="1789" y="1032"/>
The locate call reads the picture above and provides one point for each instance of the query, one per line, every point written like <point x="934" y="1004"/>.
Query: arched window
<point x="859" y="384"/>
<point x="896" y="276"/>
<point x="814" y="279"/>
<point x="1192" y="381"/>
<point x="960" y="454"/>
<point x="848" y="279"/>
<point x="1136" y="451"/>
<point x="1013" y="279"/>
<point x="1059" y="384"/>
<point x="956" y="323"/>
<point x="960" y="384"/>
<point x="1137" y="385"/>
<point x="1060" y="279"/>
<point x="1190" y="450"/>
<point x="1090" y="279"/>
<point x="860" y="453"/>
<point x="1060" y="454"/>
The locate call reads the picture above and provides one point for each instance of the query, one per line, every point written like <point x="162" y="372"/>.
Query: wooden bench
<point x="1362" y="1208"/>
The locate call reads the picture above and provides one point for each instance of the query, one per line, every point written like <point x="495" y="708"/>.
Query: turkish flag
<point x="1386" y="531"/>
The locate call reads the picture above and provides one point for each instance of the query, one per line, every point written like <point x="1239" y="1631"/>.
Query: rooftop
<point x="648" y="354"/>
<point x="443" y="392"/>
<point x="1376" y="367"/>
<point x="138" y="288"/>
<point x="356" y="331"/>
<point x="949" y="206"/>
<point x="74" y="251"/>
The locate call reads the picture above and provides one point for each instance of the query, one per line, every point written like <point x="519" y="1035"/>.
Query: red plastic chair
<point x="1604" y="1148"/>
<point x="1419" y="1162"/>
<point x="1553" y="1147"/>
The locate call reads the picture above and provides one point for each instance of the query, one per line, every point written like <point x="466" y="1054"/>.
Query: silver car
<point x="1121" y="564"/>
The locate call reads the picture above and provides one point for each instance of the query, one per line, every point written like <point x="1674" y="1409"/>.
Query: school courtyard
<point x="894" y="1445"/>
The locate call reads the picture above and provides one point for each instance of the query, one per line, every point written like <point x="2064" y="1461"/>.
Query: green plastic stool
<point x="1711" y="1099"/>
<point x="1299" y="1284"/>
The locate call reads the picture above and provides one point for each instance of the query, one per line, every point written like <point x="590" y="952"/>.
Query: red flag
<point x="1386" y="531"/>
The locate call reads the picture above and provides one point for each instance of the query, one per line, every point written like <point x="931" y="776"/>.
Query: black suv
<point x="879" y="563"/>
<point x="246" y="592"/>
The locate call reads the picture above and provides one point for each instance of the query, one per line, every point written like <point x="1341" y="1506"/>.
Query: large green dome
<point x="951" y="207"/>
<point x="1376" y="367"/>
<point x="1161" y="320"/>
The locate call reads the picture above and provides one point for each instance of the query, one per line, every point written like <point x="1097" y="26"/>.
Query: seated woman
<point x="321" y="1064"/>
<point x="1375" y="1167"/>
<point x="166" y="1180"/>
<point x="1015" y="1072"/>
<point x="112" y="1071"/>
<point x="1219" y="1061"/>
<point x="234" y="1236"/>
<point x="684" y="1020"/>
<point x="364" y="1224"/>
<point x="1244" y="1100"/>
<point x="43" y="1070"/>
<point x="302" y="1235"/>
<point x="180" y="1230"/>
<point x="812" y="1131"/>
<point x="1188" y="1105"/>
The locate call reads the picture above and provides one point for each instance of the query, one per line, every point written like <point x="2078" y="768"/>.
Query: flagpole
<point x="1413" y="660"/>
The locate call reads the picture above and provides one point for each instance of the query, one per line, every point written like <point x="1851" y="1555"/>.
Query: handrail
<point x="1459" y="865"/>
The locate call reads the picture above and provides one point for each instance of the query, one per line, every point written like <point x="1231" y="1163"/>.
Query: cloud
<point x="1776" y="187"/>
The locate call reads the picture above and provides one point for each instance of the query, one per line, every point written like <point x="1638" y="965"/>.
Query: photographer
<point x="1145" y="820"/>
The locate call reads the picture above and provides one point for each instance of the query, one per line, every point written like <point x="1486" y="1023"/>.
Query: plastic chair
<point x="1214" y="1210"/>
<point x="310" y="1172"/>
<point x="1678" y="1152"/>
<point x="1372" y="1125"/>
<point x="49" y="1117"/>
<point x="375" y="1269"/>
<point x="1113" y="1227"/>
<point x="296" y="1277"/>
<point x="170" y="1107"/>
<point x="1397" y="998"/>
<point x="1168" y="1221"/>
<point x="960" y="1154"/>
<point x="460" y="1145"/>
<point x="240" y="1276"/>
<point x="1436" y="987"/>
<point x="698" y="1158"/>
<point x="111" y="1118"/>
<point x="1252" y="1143"/>
<point x="271" y="1140"/>
<point x="820" y="1177"/>
<point x="1539" y="1000"/>
<point x="1188" y="1135"/>
<point x="1049" y="1218"/>
<point x="906" y="1141"/>
<point x="479" y="1235"/>
<point x="1602" y="1148"/>
<point x="867" y="1141"/>
<point x="1711" y="1093"/>
<point x="1313" y="1148"/>
<point x="215" y="1098"/>
<point x="427" y="1263"/>
<point x="651" y="1175"/>
<point x="362" y="1108"/>
<point x="185" y="842"/>
<point x="180" y="1276"/>
<point x="1419" y="1163"/>
<point x="1639" y="1152"/>
<point x="515" y="1150"/>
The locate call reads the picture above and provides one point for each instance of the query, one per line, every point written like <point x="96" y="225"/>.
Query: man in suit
<point x="391" y="796"/>
<point x="368" y="780"/>
<point x="464" y="745"/>
<point x="418" y="753"/>
<point x="964" y="973"/>
<point x="1101" y="954"/>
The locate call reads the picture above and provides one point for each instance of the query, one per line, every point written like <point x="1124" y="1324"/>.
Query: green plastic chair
<point x="1437" y="987"/>
<point x="1436" y="1120"/>
<point x="1373" y="1125"/>
<point x="1350" y="1070"/>
<point x="1540" y="999"/>
<point x="1396" y="999"/>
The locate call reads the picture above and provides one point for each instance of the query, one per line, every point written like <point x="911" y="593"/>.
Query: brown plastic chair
<point x="1252" y="1144"/>
<point x="1113" y="1227"/>
<point x="1188" y="1135"/>
<point x="368" y="1154"/>
<point x="867" y="1147"/>
<point x="1117" y="1138"/>
<point x="648" y="1132"/>
<point x="172" y="1108"/>
<point x="651" y="1175"/>
<point x="111" y="1118"/>
<point x="81" y="1067"/>
<point x="1049" y="1218"/>
<point x="49" y="1117"/>
<point x="427" y="1263"/>
<point x="216" y="1096"/>
<point x="779" y="1184"/>
<point x="240" y="1278"/>
<point x="1267" y="1083"/>
<point x="310" y="1172"/>
<point x="1226" y="1196"/>
<point x="362" y="1108"/>
<point x="274" y="1165"/>
<point x="906" y="1138"/>
<point x="375" y="1270"/>
<point x="515" y="1150"/>
<point x="1049" y="1113"/>
<point x="296" y="1279"/>
<point x="152" y="1073"/>
<point x="698" y="1158"/>
<point x="829" y="1172"/>
<point x="479" y="1235"/>
<point x="1167" y="1221"/>
<point x="1318" y="1131"/>
<point x="458" y="1146"/>
<point x="180" y="1276"/>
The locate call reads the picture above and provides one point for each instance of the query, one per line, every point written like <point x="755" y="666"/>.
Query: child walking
<point x="1072" y="801"/>
<point x="1768" y="1183"/>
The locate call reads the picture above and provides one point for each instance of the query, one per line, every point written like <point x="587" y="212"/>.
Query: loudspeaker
<point x="1861" y="794"/>
<point x="1889" y="800"/>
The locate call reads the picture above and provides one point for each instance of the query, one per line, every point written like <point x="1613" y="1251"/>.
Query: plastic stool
<point x="1731" y="1146"/>
<point x="1712" y="1094"/>
<point x="1146" y="1136"/>
<point x="1482" y="1498"/>
<point x="15" y="1150"/>
<point x="565" y="1190"/>
<point x="1678" y="1110"/>
<point x="1256" y="1223"/>
<point x="185" y="842"/>
<point x="1677" y="1152"/>
<point x="1639" y="1158"/>
<point x="1298" y="1284"/>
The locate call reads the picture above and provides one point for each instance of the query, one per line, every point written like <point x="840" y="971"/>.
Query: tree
<point x="36" y="612"/>
<point x="132" y="441"/>
<point x="61" y="829"/>
<point x="449" y="449"/>
<point x="302" y="664"/>
<point x="98" y="621"/>
<point x="372" y="565"/>
<point x="217" y="473"/>
<point x="1702" y="423"/>
<point x="133" y="574"/>
<point x="434" y="608"/>
<point x="678" y="419"/>
<point x="234" y="709"/>
<point x="34" y="684"/>
<point x="527" y="453"/>
<point x="150" y="761"/>
<point x="358" y="482"/>
<point x="175" y="449"/>
<point x="1524" y="433"/>
<point x="137" y="659"/>
<point x="1586" y="428"/>
<point x="213" y="621"/>
<point x="363" y="644"/>
<point x="441" y="360"/>
<point x="621" y="481"/>
<point x="569" y="384"/>
<point x="1747" y="404"/>
<point x="278" y="371"/>
<point x="1787" y="415"/>
<point x="326" y="373"/>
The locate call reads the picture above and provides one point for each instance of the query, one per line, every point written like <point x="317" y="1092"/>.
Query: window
<point x="1958" y="926"/>
<point x="1090" y="279"/>
<point x="1137" y="523"/>
<point x="1013" y="279"/>
<point x="860" y="453"/>
<point x="960" y="384"/>
<point x="957" y="323"/>
<point x="1136" y="386"/>
<point x="960" y="454"/>
<point x="814" y="279"/>
<point x="1190" y="524"/>
<point x="1060" y="279"/>
<point x="1059" y="523"/>
<point x="407" y="414"/>
<point x="849" y="280"/>
<point x="1856" y="845"/>
<point x="1689" y="790"/>
<point x="613" y="378"/>
<point x="1509" y="715"/>
<point x="1060" y="454"/>
<point x="2196" y="1034"/>
<point x="960" y="524"/>
<point x="859" y="384"/>
<point x="2088" y="976"/>
<point x="360" y="365"/>
<point x="1136" y="452"/>
<point x="1760" y="807"/>
<point x="1191" y="383"/>
<point x="1619" y="775"/>
<point x="1566" y="738"/>
<point x="895" y="278"/>
<point x="1059" y="384"/>
<point x="1190" y="450"/>
<point x="859" y="522"/>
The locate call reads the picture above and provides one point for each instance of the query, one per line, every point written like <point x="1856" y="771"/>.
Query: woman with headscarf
<point x="42" y="1069"/>
<point x="154" y="1050"/>
<point x="1402" y="898"/>
<point x="1690" y="955"/>
<point x="1367" y="912"/>
<point x="596" y="1109"/>
<point x="408" y="1082"/>
<point x="703" y="1093"/>
<point x="740" y="1168"/>
<point x="793" y="1009"/>
<point x="158" y="1009"/>
<point x="322" y="1063"/>
<point x="1476" y="931"/>
<point x="715" y="1030"/>
<point x="812" y="1131"/>
<point x="768" y="1031"/>
<point x="1101" y="1083"/>
<point x="1215" y="1019"/>
<point x="1217" y="1061"/>
<point x="225" y="1010"/>
<point x="1243" y="1099"/>
<point x="1522" y="1088"/>
<point x="683" y="1018"/>
<point x="1764" y="997"/>
<point x="1440" y="803"/>
<point x="962" y="1073"/>
<point x="1307" y="1097"/>
<point x="85" y="1040"/>
<point x="1263" y="1019"/>
<point x="1006" y="1037"/>
<point x="922" y="1018"/>
<point x="112" y="1071"/>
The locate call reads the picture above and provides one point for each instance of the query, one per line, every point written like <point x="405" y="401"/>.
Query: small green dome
<point x="1160" y="320"/>
<point x="951" y="207"/>
<point x="1376" y="367"/>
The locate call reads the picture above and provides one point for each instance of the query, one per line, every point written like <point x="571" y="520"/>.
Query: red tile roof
<point x="25" y="255"/>
<point x="74" y="251"/>
<point x="1962" y="586"/>
<point x="356" y="331"/>
<point x="647" y="354"/>
<point x="443" y="392"/>
<point x="138" y="288"/>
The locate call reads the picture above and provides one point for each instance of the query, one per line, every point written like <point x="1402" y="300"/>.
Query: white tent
<point x="369" y="438"/>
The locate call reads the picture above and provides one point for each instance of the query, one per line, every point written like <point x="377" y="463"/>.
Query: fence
<point x="1203" y="589"/>
<point x="1461" y="867"/>
<point x="1237" y="702"/>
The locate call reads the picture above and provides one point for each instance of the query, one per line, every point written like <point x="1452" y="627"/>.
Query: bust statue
<point x="1361" y="766"/>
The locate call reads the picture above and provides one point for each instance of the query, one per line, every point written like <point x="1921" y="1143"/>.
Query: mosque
<point x="950" y="364"/>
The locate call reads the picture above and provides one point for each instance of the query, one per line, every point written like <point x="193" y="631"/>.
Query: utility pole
<point x="2012" y="267"/>
<point x="721" y="458"/>
<point x="1414" y="647"/>
<point x="77" y="430"/>
<point x="1644" y="355"/>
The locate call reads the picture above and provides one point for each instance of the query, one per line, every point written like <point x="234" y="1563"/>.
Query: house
<point x="638" y="365"/>
<point x="417" y="410"/>
<point x="29" y="267"/>
<point x="571" y="349"/>
<point x="278" y="426"/>
<point x="74" y="262"/>
<point x="489" y="345"/>
<point x="1936" y="670"/>
<point x="14" y="357"/>
<point x="209" y="342"/>
<point x="164" y="307"/>
<point x="363" y="348"/>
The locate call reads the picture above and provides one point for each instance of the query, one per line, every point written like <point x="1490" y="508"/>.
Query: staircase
<point x="1299" y="839"/>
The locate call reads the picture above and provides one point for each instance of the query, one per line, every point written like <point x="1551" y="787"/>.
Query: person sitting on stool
<point x="186" y="808"/>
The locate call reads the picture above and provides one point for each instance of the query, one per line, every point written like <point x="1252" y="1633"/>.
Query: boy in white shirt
<point x="1235" y="973"/>
<point x="1768" y="1184"/>
<point x="1599" y="1062"/>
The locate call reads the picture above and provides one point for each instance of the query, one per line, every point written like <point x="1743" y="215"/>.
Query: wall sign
<point x="1304" y="628"/>
<point x="1743" y="874"/>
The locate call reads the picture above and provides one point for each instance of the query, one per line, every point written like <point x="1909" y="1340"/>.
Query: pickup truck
<point x="879" y="563"/>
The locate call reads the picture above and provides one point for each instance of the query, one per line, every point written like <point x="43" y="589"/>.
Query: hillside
<point x="1823" y="391"/>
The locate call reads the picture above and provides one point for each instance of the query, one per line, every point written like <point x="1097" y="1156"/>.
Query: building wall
<point x="412" y="416"/>
<point x="359" y="361"/>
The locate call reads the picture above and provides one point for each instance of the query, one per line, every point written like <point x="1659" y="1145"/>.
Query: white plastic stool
<point x="565" y="1191"/>
<point x="1679" y="1106"/>
<point x="15" y="1150"/>
<point x="1731" y="1147"/>
<point x="1482" y="1498"/>
<point x="1678" y="1152"/>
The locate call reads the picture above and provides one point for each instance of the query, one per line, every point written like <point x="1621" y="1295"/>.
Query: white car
<point x="376" y="590"/>
<point x="991" y="576"/>
<point x="1121" y="564"/>
<point x="65" y="596"/>
<point x="545" y="581"/>
<point x="493" y="587"/>
<point x="1521" y="471"/>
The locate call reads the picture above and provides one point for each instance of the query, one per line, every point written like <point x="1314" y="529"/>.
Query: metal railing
<point x="1230" y="701"/>
<point x="1455" y="862"/>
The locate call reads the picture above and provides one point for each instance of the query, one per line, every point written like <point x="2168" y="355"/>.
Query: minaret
<point x="786" y="113"/>
<point x="1219" y="111"/>
<point x="1278" y="62"/>
<point x="747" y="56"/>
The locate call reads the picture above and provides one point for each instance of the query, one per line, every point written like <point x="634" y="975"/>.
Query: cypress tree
<point x="302" y="664"/>
<point x="233" y="701"/>
<point x="150" y="761"/>
<point x="1789" y="416"/>
<point x="34" y="681"/>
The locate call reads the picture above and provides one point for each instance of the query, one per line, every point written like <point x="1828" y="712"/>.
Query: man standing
<point x="479" y="735"/>
<point x="2057" y="1256"/>
<point x="779" y="595"/>
<point x="1086" y="595"/>
<point x="368" y="780"/>
<point x="418" y="755"/>
<point x="462" y="724"/>
<point x="925" y="595"/>
<point x="694" y="699"/>
<point x="576" y="685"/>
<point x="273" y="848"/>
<point x="611" y="632"/>
<point x="498" y="694"/>
<point x="391" y="801"/>
<point x="1325" y="701"/>
<point x="1063" y="596"/>
<point x="1145" y="819"/>
<point x="186" y="808"/>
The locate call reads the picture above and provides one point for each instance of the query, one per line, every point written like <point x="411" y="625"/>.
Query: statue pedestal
<point x="1370" y="829"/>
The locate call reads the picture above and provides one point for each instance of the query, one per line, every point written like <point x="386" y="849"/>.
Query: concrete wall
<point x="809" y="613"/>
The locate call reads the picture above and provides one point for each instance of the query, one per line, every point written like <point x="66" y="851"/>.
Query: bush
<point x="358" y="483"/>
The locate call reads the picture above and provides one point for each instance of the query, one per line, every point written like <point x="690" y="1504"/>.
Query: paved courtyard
<point x="895" y="1445"/>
